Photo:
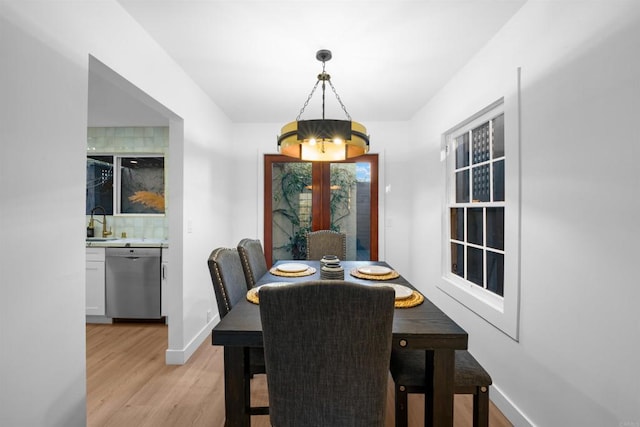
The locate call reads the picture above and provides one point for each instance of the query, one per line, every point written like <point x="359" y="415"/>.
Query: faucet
<point x="105" y="232"/>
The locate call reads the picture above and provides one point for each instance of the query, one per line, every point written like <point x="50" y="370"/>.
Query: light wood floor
<point x="128" y="384"/>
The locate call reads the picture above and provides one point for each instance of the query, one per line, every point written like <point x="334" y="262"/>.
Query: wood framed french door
<point x="304" y="196"/>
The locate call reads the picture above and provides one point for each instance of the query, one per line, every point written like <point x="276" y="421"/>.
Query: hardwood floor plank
<point x="129" y="384"/>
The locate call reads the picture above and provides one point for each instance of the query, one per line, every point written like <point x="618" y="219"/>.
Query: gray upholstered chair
<point x="408" y="372"/>
<point x="229" y="286"/>
<point x="254" y="263"/>
<point x="326" y="242"/>
<point x="327" y="346"/>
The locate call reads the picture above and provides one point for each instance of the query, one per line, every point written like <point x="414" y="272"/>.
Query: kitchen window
<point x="125" y="184"/>
<point x="481" y="222"/>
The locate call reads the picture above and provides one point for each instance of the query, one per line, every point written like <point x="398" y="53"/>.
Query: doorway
<point x="114" y="102"/>
<point x="304" y="196"/>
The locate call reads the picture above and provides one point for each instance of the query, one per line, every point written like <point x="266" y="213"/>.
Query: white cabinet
<point x="164" y="287"/>
<point x="95" y="289"/>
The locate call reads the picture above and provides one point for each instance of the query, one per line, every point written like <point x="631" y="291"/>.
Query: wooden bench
<point x="408" y="372"/>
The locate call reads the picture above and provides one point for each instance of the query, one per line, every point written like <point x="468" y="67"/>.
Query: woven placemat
<point x="252" y="296"/>
<point x="391" y="275"/>
<point x="308" y="272"/>
<point x="415" y="299"/>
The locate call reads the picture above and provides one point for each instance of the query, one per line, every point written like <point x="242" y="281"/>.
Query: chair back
<point x="254" y="263"/>
<point x="326" y="242"/>
<point x="228" y="279"/>
<point x="327" y="348"/>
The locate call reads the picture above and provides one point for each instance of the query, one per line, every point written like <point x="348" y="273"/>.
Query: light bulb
<point x="312" y="141"/>
<point x="337" y="141"/>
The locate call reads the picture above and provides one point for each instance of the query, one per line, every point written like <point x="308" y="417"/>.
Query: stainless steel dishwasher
<point x="133" y="283"/>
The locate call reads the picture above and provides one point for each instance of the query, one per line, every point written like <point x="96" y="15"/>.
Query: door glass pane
<point x="291" y="209"/>
<point x="350" y="206"/>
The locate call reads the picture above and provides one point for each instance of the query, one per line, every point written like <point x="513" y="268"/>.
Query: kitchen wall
<point x="134" y="140"/>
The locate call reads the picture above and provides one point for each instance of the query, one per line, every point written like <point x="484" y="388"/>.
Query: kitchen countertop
<point x="98" y="242"/>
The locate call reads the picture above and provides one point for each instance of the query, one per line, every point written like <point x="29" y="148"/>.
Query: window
<point x="481" y="218"/>
<point x="99" y="190"/>
<point x="136" y="188"/>
<point x="476" y="206"/>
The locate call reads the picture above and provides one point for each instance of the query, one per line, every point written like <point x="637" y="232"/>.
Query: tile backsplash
<point x="135" y="226"/>
<point x="135" y="140"/>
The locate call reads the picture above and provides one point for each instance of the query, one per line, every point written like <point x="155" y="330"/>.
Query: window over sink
<point x="126" y="184"/>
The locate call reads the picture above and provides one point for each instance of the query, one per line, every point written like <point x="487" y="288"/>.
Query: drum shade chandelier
<point x="323" y="139"/>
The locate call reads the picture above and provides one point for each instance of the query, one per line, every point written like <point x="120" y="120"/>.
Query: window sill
<point x="485" y="304"/>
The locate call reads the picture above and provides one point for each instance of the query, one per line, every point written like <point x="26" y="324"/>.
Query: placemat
<point x="308" y="272"/>
<point x="391" y="275"/>
<point x="415" y="299"/>
<point x="252" y="296"/>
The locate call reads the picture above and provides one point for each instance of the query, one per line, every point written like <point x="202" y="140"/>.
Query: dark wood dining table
<point x="423" y="327"/>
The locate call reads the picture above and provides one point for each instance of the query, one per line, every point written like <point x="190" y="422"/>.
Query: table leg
<point x="438" y="402"/>
<point x="235" y="389"/>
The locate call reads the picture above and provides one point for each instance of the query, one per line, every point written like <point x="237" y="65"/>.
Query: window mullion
<point x="464" y="245"/>
<point x="484" y="247"/>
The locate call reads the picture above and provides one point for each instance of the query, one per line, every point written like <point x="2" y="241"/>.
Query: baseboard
<point x="180" y="357"/>
<point x="508" y="408"/>
<point x="98" y="319"/>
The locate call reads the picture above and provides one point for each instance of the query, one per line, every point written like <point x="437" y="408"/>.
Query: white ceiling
<point x="256" y="58"/>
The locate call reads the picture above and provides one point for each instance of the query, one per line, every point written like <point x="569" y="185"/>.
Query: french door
<point x="306" y="196"/>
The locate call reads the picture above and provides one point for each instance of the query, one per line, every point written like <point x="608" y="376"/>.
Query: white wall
<point x="42" y="147"/>
<point x="388" y="139"/>
<point x="576" y="360"/>
<point x="45" y="48"/>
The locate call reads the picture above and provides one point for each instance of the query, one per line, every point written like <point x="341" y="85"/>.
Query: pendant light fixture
<point x="323" y="139"/>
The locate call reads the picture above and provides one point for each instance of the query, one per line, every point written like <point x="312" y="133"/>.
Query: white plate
<point x="402" y="292"/>
<point x="273" y="284"/>
<point x="292" y="267"/>
<point x="375" y="270"/>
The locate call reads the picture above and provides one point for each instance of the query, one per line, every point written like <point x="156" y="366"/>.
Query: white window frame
<point x="502" y="312"/>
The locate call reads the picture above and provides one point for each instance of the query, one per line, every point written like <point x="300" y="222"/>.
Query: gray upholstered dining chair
<point x="326" y="242"/>
<point x="229" y="286"/>
<point x="408" y="371"/>
<point x="254" y="263"/>
<point x="327" y="346"/>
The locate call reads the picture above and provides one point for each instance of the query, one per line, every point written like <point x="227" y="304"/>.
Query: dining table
<point x="423" y="326"/>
